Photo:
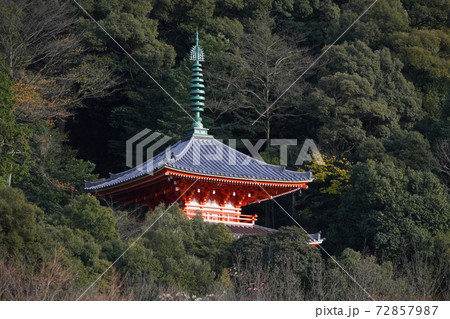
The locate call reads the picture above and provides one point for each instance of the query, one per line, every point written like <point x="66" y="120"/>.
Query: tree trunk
<point x="269" y="216"/>
<point x="267" y="125"/>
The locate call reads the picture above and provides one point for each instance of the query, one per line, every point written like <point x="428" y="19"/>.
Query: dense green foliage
<point x="17" y="221"/>
<point x="13" y="136"/>
<point x="362" y="93"/>
<point x="282" y="261"/>
<point x="377" y="105"/>
<point x="391" y="209"/>
<point x="177" y="253"/>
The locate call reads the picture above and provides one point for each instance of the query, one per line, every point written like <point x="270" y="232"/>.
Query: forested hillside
<point x="376" y="103"/>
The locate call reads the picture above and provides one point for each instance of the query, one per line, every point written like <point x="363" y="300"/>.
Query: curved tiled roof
<point x="238" y="230"/>
<point x="205" y="156"/>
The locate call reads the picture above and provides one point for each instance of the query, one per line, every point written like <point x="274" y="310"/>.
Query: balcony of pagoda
<point x="212" y="211"/>
<point x="224" y="218"/>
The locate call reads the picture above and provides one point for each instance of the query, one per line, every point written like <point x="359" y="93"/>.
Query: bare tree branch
<point x="47" y="61"/>
<point x="442" y="154"/>
<point x="262" y="66"/>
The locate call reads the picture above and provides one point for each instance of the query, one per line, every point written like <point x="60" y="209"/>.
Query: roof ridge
<point x="185" y="149"/>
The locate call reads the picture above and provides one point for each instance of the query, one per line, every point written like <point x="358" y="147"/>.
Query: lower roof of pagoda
<point x="238" y="230"/>
<point x="204" y="158"/>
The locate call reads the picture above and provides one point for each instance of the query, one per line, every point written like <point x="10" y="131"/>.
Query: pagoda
<point x="204" y="175"/>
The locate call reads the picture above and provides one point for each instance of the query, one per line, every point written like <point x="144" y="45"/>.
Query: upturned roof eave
<point x="99" y="188"/>
<point x="252" y="180"/>
<point x="240" y="178"/>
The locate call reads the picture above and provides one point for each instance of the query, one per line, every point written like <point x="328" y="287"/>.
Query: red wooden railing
<point x="221" y="217"/>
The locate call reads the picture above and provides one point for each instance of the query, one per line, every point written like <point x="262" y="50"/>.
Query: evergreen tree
<point x="361" y="93"/>
<point x="391" y="210"/>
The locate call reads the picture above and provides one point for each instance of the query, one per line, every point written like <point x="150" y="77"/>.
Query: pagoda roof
<point x="238" y="230"/>
<point x="241" y="229"/>
<point x="205" y="156"/>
